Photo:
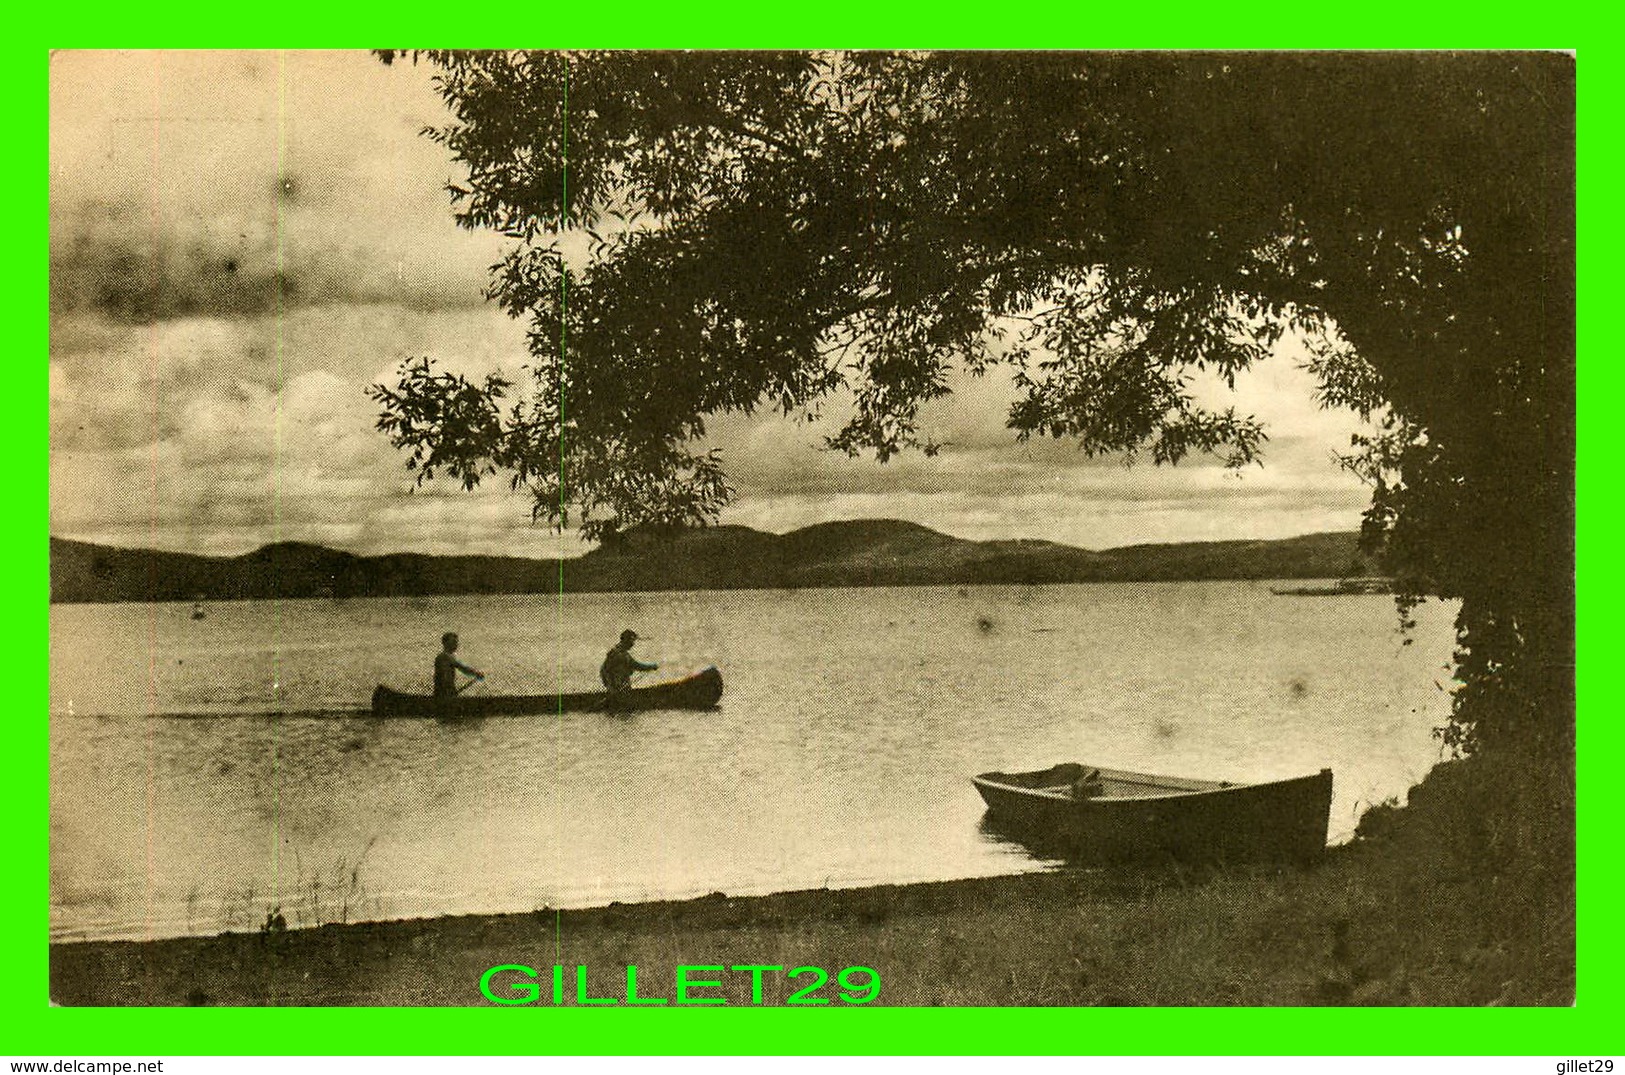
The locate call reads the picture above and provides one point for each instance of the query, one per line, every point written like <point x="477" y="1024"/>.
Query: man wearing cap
<point x="617" y="669"/>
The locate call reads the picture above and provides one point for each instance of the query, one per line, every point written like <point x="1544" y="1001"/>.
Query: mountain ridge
<point x="863" y="552"/>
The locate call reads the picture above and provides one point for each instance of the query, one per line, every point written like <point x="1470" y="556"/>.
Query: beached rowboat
<point x="699" y="691"/>
<point x="1121" y="815"/>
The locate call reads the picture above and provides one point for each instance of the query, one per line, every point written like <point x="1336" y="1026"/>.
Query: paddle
<point x="606" y="707"/>
<point x="470" y="683"/>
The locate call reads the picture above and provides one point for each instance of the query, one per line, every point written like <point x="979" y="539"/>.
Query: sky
<point x="198" y="406"/>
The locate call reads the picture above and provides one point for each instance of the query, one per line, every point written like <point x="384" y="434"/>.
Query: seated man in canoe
<point x="446" y="667"/>
<point x="616" y="671"/>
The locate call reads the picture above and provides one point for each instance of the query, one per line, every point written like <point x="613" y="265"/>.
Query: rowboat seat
<point x="1087" y="786"/>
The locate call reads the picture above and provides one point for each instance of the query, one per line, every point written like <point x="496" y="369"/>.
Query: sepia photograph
<point x="834" y="528"/>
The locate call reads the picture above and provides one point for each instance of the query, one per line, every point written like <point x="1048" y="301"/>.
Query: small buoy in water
<point x="984" y="624"/>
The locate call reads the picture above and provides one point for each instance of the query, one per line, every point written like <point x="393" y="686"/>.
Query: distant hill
<point x="84" y="572"/>
<point x="867" y="552"/>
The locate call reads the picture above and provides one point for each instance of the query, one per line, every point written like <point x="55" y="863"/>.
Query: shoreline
<point x="1427" y="907"/>
<point x="444" y="956"/>
<point x="621" y="906"/>
<point x="834" y="555"/>
<point x="1149" y="580"/>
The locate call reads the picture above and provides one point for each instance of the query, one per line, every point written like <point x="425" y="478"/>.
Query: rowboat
<point x="699" y="691"/>
<point x="1081" y="812"/>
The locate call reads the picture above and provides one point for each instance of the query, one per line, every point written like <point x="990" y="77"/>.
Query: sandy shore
<point x="1430" y="907"/>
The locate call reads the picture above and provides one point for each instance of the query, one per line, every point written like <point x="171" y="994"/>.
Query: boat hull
<point x="700" y="691"/>
<point x="1140" y="816"/>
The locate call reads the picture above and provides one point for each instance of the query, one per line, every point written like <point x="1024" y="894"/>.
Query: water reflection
<point x="1047" y="852"/>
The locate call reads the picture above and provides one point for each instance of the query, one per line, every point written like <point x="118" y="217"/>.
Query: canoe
<point x="1128" y="816"/>
<point x="699" y="691"/>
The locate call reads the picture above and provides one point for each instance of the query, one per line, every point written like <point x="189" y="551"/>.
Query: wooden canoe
<point x="699" y="691"/>
<point x="1139" y="816"/>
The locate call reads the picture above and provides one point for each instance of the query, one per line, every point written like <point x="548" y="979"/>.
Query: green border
<point x="35" y="1029"/>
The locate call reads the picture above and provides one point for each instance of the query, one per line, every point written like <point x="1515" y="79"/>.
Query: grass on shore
<point x="1464" y="897"/>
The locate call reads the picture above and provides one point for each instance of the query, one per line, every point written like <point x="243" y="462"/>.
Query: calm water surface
<point x="205" y="771"/>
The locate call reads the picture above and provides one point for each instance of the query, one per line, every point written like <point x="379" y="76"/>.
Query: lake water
<point x="205" y="771"/>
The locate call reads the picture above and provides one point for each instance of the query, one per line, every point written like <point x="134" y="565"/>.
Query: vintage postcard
<point x="775" y="529"/>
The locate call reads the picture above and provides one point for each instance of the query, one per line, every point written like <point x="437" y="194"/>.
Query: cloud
<point x="1097" y="521"/>
<point x="778" y="461"/>
<point x="116" y="385"/>
<point x="240" y="184"/>
<point x="220" y="435"/>
<point x="111" y="260"/>
<point x="223" y="434"/>
<point x="240" y="243"/>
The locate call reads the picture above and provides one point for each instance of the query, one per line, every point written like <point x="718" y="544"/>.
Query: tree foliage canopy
<point x="771" y="230"/>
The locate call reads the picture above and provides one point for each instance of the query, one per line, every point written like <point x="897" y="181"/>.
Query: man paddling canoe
<point x="616" y="671"/>
<point x="446" y="667"/>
